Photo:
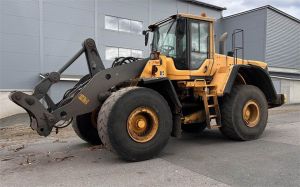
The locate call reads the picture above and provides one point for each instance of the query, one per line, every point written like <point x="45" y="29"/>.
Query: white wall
<point x="291" y="89"/>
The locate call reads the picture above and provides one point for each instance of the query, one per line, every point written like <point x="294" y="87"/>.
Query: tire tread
<point x="227" y="112"/>
<point x="105" y="111"/>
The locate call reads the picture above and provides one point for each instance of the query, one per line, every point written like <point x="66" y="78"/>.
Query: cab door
<point x="200" y="60"/>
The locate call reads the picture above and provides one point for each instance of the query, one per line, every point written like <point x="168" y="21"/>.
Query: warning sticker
<point x="83" y="99"/>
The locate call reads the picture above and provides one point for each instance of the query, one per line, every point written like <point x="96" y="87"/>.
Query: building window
<point x="112" y="52"/>
<point x="124" y="52"/>
<point x="137" y="53"/>
<point x="123" y="25"/>
<point x="111" y="23"/>
<point x="136" y="27"/>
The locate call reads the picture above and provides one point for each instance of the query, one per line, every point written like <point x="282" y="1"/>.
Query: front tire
<point x="85" y="126"/>
<point x="244" y="113"/>
<point x="135" y="122"/>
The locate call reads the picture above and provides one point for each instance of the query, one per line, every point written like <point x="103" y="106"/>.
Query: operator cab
<point x="184" y="38"/>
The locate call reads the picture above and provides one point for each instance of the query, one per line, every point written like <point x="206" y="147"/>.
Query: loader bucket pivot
<point x="41" y="118"/>
<point x="82" y="98"/>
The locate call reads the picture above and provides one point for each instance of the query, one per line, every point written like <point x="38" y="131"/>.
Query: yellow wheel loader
<point x="134" y="107"/>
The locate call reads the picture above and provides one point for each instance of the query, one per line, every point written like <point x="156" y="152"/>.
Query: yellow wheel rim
<point x="142" y="124"/>
<point x="251" y="113"/>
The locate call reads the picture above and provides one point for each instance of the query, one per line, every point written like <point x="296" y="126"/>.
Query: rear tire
<point x="115" y="116"/>
<point x="85" y="129"/>
<point x="237" y="123"/>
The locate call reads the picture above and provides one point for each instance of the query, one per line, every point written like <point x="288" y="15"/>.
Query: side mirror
<point x="146" y="38"/>
<point x="146" y="33"/>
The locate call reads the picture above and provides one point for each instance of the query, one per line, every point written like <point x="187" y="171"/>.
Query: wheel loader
<point x="134" y="107"/>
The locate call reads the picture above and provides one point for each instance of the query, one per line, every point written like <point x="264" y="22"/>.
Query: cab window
<point x="165" y="39"/>
<point x="170" y="39"/>
<point x="199" y="43"/>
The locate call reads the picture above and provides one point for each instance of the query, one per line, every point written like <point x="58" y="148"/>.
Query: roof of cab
<point x="199" y="17"/>
<point x="191" y="16"/>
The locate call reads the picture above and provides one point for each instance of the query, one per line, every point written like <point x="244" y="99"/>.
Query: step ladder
<point x="211" y="105"/>
<point x="209" y="96"/>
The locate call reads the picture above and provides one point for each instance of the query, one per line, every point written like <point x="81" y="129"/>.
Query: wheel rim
<point x="142" y="124"/>
<point x="251" y="113"/>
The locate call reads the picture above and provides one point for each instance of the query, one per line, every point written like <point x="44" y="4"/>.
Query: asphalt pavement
<point x="206" y="159"/>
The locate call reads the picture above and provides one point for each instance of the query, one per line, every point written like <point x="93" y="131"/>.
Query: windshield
<point x="164" y="39"/>
<point x="170" y="39"/>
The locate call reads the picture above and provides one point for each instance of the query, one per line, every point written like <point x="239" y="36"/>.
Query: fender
<point x="165" y="87"/>
<point x="258" y="77"/>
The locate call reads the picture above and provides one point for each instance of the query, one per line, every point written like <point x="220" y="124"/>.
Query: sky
<point x="291" y="7"/>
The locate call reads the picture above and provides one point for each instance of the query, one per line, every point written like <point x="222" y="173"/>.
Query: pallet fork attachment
<point x="79" y="100"/>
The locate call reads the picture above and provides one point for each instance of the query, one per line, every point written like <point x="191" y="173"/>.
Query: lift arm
<point x="81" y="99"/>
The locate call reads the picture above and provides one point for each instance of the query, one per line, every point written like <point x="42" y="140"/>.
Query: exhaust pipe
<point x="222" y="43"/>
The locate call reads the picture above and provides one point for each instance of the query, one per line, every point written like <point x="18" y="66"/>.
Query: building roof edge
<point x="264" y="7"/>
<point x="206" y="5"/>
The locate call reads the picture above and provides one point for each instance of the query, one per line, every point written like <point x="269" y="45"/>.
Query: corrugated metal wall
<point x="283" y="41"/>
<point x="19" y="43"/>
<point x="254" y="26"/>
<point x="38" y="36"/>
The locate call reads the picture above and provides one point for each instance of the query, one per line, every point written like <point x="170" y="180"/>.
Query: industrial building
<point x="272" y="36"/>
<point x="39" y="36"/>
